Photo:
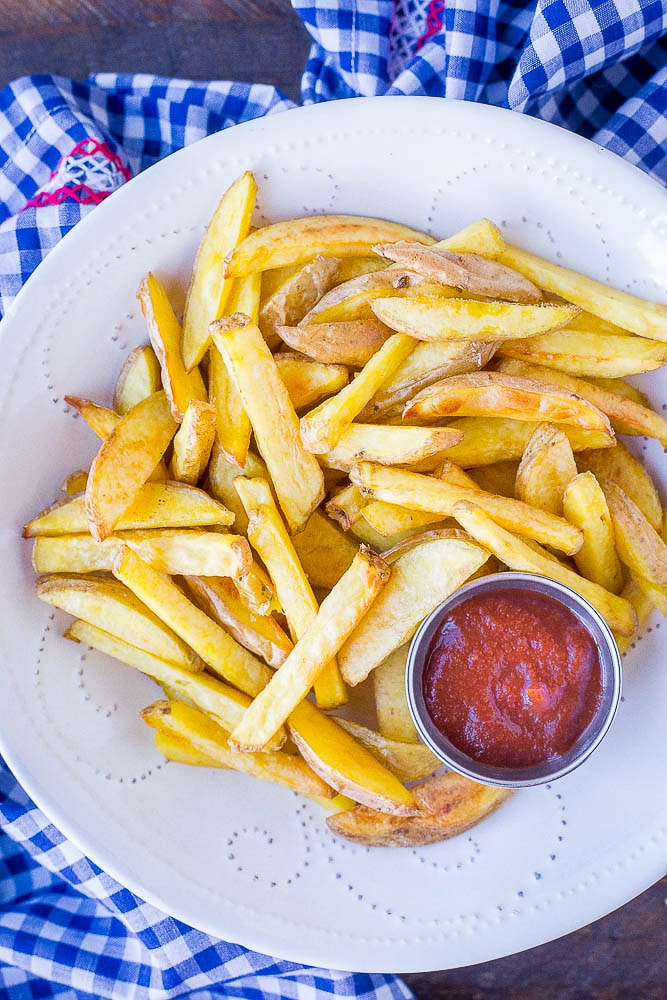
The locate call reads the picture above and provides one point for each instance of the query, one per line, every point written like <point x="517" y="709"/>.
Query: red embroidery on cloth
<point x="88" y="174"/>
<point x="434" y="15"/>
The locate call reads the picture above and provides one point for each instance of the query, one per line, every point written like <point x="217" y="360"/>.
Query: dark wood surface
<point x="624" y="955"/>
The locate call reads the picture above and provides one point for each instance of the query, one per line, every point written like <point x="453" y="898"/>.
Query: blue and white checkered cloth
<point x="66" y="928"/>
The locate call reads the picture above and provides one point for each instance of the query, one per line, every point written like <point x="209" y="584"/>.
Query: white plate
<point x="240" y="858"/>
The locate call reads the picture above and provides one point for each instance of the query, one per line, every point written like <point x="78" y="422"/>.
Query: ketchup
<point x="512" y="678"/>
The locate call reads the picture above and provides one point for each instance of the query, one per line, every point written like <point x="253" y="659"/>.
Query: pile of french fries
<point x="351" y="421"/>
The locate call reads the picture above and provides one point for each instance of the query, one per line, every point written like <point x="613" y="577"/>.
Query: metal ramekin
<point x="534" y="774"/>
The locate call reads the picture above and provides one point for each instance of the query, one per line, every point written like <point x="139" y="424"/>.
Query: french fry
<point x="296" y="296"/>
<point x="308" y="382"/>
<point x="352" y="342"/>
<point x="584" y="504"/>
<point x="391" y="703"/>
<point x="156" y="505"/>
<point x="409" y="761"/>
<point x="193" y="442"/>
<point x="269" y="537"/>
<point x="638" y="544"/>
<point x="389" y="519"/>
<point x="324" y="551"/>
<point x="643" y="603"/>
<point x="347" y="603"/>
<point x="207" y="737"/>
<point x="346" y="505"/>
<point x="208" y="291"/>
<point x="647" y="319"/>
<point x="410" y="489"/>
<point x="125" y="460"/>
<point x="100" y="419"/>
<point x="215" y="647"/>
<point x="295" y="474"/>
<point x="322" y="427"/>
<point x="349" y="302"/>
<point x="618" y="613"/>
<point x="180" y="751"/>
<point x="220" y="478"/>
<point x="110" y="606"/>
<point x="622" y="468"/>
<point x="298" y="241"/>
<point x="388" y="445"/>
<point x="164" y="331"/>
<point x="588" y="354"/>
<point x="139" y="377"/>
<point x="499" y="477"/>
<point x="444" y="319"/>
<point x="233" y="430"/>
<point x="546" y="467"/>
<point x="75" y="483"/>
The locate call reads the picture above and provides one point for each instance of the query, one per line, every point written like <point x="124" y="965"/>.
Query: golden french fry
<point x="181" y="751"/>
<point x="345" y="764"/>
<point x="584" y="504"/>
<point x="208" y="291"/>
<point x="215" y="647"/>
<point x="409" y="761"/>
<point x="643" y="603"/>
<point x="586" y="353"/>
<point x="207" y="737"/>
<point x="346" y="505"/>
<point x="164" y="331"/>
<point x="126" y="459"/>
<point x="618" y="613"/>
<point x="308" y="382"/>
<point x="292" y="300"/>
<point x="100" y="419"/>
<point x="421" y="578"/>
<point x="110" y="606"/>
<point x="499" y="477"/>
<point x="193" y="442"/>
<point x="139" y="377"/>
<point x="322" y="427"/>
<point x="410" y="489"/>
<point x="466" y="319"/>
<point x="347" y="603"/>
<point x="622" y="468"/>
<point x="648" y="319"/>
<point x="352" y="342"/>
<point x="638" y="544"/>
<point x="388" y="445"/>
<point x="75" y="483"/>
<point x="546" y="467"/>
<point x="233" y="430"/>
<point x="220" y="478"/>
<point x="498" y="394"/>
<point x="389" y="519"/>
<point x="297" y="241"/>
<point x="324" y="551"/>
<point x="295" y="474"/>
<point x="391" y="703"/>
<point x="349" y="301"/>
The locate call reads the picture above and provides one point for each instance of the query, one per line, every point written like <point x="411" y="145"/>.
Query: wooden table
<point x="623" y="956"/>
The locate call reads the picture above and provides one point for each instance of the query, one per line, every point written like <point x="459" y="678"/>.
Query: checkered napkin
<point x="66" y="928"/>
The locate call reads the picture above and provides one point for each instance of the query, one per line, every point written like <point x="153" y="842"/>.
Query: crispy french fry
<point x="391" y="703"/>
<point x="389" y="519"/>
<point x="324" y="551"/>
<point x="618" y="613"/>
<point x="586" y="353"/>
<point x="125" y="460"/>
<point x="346" y="505"/>
<point x="638" y="544"/>
<point x="466" y="319"/>
<point x="75" y="483"/>
<point x="139" y="377"/>
<point x="347" y="603"/>
<point x="290" y="302"/>
<point x="409" y="761"/>
<point x="622" y="468"/>
<point x="297" y="241"/>
<point x="100" y="419"/>
<point x="410" y="489"/>
<point x="308" y="382"/>
<point x="546" y="467"/>
<point x="584" y="504"/>
<point x="215" y="647"/>
<point x="233" y="430"/>
<point x="388" y="445"/>
<point x="181" y="751"/>
<point x="220" y="478"/>
<point x="193" y="442"/>
<point x="322" y="428"/>
<point x="295" y="474"/>
<point x="643" y="603"/>
<point x="208" y="291"/>
<point x="352" y="342"/>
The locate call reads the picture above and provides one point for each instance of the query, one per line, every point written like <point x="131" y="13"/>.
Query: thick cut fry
<point x="546" y="467"/>
<point x="224" y="704"/>
<point x="498" y="394"/>
<point x="391" y="703"/>
<point x="100" y="419"/>
<point x="207" y="737"/>
<point x="584" y="504"/>
<point x="167" y="550"/>
<point x="627" y="416"/>
<point x="465" y="319"/>
<point x="643" y="603"/>
<point x="349" y="302"/>
<point x="308" y="382"/>
<point x="618" y="613"/>
<point x="467" y="271"/>
<point x="220" y="599"/>
<point x="297" y="241"/>
<point x="216" y="648"/>
<point x="125" y="461"/>
<point x="208" y="292"/>
<point x="156" y="505"/>
<point x="584" y="353"/>
<point x="345" y="507"/>
<point x="220" y="482"/>
<point x="388" y="445"/>
<point x="75" y="483"/>
<point x="193" y="442"/>
<point x="297" y="295"/>
<point x="324" y="552"/>
<point x="410" y="489"/>
<point x="352" y="342"/>
<point x="463" y="804"/>
<point x="233" y="430"/>
<point x="622" y="468"/>
<point x="648" y="319"/>
<point x="139" y="377"/>
<point x="408" y="761"/>
<point x="421" y="578"/>
<point x="339" y="613"/>
<point x="180" y="751"/>
<point x="109" y="605"/>
<point x="322" y="428"/>
<point x="269" y="537"/>
<point x="638" y="544"/>
<point x="295" y="474"/>
<point x="388" y="519"/>
<point x="345" y="764"/>
<point x="164" y="331"/>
